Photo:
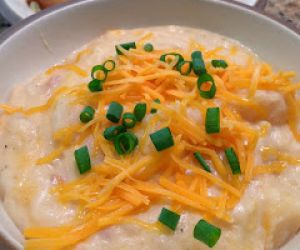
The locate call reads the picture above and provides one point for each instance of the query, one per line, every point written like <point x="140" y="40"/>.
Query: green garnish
<point x="233" y="160"/>
<point x="95" y="85"/>
<point x="201" y="160"/>
<point x="109" y="65"/>
<point x="128" y="120"/>
<point x="148" y="47"/>
<point x="153" y="110"/>
<point x="203" y="79"/>
<point x="111" y="132"/>
<point x="212" y="120"/>
<point x="219" y="64"/>
<point x="169" y="218"/>
<point x="114" y="112"/>
<point x="126" y="46"/>
<point x="171" y="57"/>
<point x="207" y="233"/>
<point x="125" y="143"/>
<point x="87" y="114"/>
<point x="99" y="72"/>
<point x="140" y="111"/>
<point x="82" y="158"/>
<point x="198" y="63"/>
<point x="184" y="67"/>
<point x="162" y="139"/>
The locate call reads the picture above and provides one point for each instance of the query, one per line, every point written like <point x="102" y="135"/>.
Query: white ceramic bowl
<point x="16" y="10"/>
<point x="46" y="38"/>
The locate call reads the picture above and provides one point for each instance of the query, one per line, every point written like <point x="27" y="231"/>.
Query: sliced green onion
<point x="212" y="120"/>
<point x="99" y="69"/>
<point x="128" y="120"/>
<point x="207" y="233"/>
<point x="233" y="160"/>
<point x="210" y="93"/>
<point x="109" y="65"/>
<point x="170" y="57"/>
<point x="114" y="112"/>
<point x="148" y="47"/>
<point x="153" y="110"/>
<point x="169" y="218"/>
<point x="198" y="63"/>
<point x="201" y="160"/>
<point x="95" y="85"/>
<point x="87" y="114"/>
<point x="219" y="64"/>
<point x="111" y="132"/>
<point x="125" y="143"/>
<point x="140" y="111"/>
<point x="126" y="46"/>
<point x="83" y="160"/>
<point x="162" y="139"/>
<point x="184" y="67"/>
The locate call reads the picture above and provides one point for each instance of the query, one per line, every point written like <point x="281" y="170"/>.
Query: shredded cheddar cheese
<point x="118" y="188"/>
<point x="69" y="67"/>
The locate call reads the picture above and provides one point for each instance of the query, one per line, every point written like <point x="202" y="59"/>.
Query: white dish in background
<point x="50" y="36"/>
<point x="16" y="10"/>
<point x="248" y="2"/>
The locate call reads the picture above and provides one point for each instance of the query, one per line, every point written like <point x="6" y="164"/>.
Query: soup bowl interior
<point x="46" y="38"/>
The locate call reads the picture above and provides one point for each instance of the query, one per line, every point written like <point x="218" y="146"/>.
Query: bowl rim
<point x="257" y="9"/>
<point x="5" y="36"/>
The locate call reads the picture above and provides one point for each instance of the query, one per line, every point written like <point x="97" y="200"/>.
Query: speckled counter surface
<point x="287" y="10"/>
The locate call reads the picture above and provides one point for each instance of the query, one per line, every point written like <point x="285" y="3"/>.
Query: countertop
<point x="286" y="10"/>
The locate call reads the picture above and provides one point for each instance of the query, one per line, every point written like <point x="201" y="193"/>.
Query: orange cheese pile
<point x="120" y="187"/>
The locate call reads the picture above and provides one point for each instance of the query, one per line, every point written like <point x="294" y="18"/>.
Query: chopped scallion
<point x="201" y="160"/>
<point x="99" y="72"/>
<point x="126" y="46"/>
<point x="162" y="139"/>
<point x="114" y="112"/>
<point x="109" y="65"/>
<point x="128" y="120"/>
<point x="148" y="47"/>
<point x="171" y="57"/>
<point x="198" y="63"/>
<point x="169" y="218"/>
<point x="153" y="110"/>
<point x="233" y="160"/>
<point x="111" y="132"/>
<point x="219" y="64"/>
<point x="185" y="67"/>
<point x="140" y="111"/>
<point x="212" y="120"/>
<point x="95" y="85"/>
<point x="83" y="160"/>
<point x="203" y="81"/>
<point x="207" y="233"/>
<point x="87" y="114"/>
<point x="125" y="143"/>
